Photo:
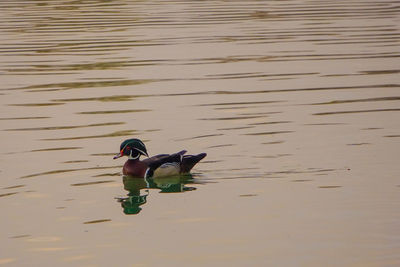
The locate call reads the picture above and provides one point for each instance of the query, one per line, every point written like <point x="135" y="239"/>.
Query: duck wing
<point x="152" y="160"/>
<point x="164" y="164"/>
<point x="188" y="161"/>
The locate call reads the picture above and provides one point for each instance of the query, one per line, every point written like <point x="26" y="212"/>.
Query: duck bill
<point x="118" y="155"/>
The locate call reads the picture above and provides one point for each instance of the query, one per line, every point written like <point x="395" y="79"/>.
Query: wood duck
<point x="156" y="166"/>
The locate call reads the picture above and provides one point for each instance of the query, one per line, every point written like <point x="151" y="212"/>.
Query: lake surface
<point x="296" y="103"/>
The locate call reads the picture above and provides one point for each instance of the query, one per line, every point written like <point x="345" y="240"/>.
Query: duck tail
<point x="188" y="161"/>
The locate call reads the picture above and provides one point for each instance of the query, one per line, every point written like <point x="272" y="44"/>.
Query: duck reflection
<point x="137" y="197"/>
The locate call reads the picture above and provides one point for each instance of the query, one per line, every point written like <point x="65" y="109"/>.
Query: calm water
<point x="295" y="102"/>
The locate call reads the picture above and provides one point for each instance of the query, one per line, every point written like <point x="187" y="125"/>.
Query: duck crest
<point x="156" y="166"/>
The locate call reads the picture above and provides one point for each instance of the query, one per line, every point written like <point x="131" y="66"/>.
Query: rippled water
<point x="295" y="102"/>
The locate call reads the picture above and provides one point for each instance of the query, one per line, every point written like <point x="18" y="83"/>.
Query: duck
<point x="156" y="166"/>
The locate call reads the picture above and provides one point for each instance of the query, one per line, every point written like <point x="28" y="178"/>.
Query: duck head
<point x="133" y="148"/>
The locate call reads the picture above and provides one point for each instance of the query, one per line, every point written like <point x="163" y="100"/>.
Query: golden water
<point x="295" y="102"/>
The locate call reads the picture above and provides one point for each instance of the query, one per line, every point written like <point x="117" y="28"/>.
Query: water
<point x="295" y="102"/>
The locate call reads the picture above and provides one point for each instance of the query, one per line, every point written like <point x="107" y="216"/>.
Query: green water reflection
<point x="138" y="189"/>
